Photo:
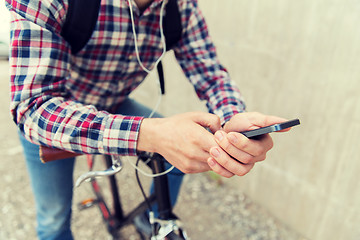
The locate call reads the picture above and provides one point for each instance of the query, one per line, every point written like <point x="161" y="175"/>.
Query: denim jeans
<point x="52" y="184"/>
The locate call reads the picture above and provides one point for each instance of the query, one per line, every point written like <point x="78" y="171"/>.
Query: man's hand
<point x="182" y="139"/>
<point x="235" y="153"/>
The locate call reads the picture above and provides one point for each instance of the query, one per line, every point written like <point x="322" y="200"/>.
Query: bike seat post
<point x="161" y="187"/>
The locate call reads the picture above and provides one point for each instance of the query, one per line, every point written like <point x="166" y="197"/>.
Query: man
<point x="80" y="102"/>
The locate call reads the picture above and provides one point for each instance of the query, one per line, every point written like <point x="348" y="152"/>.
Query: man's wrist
<point x="147" y="134"/>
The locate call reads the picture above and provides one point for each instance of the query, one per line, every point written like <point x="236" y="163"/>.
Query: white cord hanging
<point x="148" y="71"/>
<point x="161" y="56"/>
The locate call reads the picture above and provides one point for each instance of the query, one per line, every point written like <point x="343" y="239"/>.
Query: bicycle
<point x="166" y="226"/>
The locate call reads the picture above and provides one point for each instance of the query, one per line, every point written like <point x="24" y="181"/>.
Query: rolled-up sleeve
<point x="43" y="109"/>
<point x="197" y="56"/>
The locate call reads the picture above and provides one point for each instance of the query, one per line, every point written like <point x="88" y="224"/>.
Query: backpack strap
<point x="80" y="22"/>
<point x="172" y="32"/>
<point x="172" y="24"/>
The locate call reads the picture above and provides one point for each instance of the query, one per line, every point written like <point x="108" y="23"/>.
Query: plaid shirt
<point x="64" y="100"/>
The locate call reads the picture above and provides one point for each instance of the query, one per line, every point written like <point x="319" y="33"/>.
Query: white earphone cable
<point x="148" y="71"/>
<point x="161" y="35"/>
<point x="137" y="50"/>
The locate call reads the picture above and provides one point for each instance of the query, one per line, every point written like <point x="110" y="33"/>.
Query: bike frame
<point x="114" y="217"/>
<point x="166" y="226"/>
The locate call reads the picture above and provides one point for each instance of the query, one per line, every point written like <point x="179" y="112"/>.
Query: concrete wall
<point x="296" y="59"/>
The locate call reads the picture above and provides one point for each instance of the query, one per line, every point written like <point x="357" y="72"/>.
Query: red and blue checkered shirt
<point x="64" y="100"/>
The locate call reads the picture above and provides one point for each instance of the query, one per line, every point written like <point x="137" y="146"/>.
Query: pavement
<point x="208" y="206"/>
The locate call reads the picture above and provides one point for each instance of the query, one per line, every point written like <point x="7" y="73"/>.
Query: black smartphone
<point x="256" y="133"/>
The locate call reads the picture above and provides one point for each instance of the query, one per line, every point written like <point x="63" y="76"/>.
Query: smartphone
<point x="257" y="133"/>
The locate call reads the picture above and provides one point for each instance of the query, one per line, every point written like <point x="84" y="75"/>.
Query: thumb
<point x="250" y="121"/>
<point x="207" y="120"/>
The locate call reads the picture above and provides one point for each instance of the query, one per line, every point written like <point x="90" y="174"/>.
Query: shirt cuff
<point x="226" y="113"/>
<point x="121" y="134"/>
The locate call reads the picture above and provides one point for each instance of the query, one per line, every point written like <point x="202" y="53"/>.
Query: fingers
<point x="242" y="148"/>
<point x="182" y="139"/>
<point x="207" y="120"/>
<point x="219" y="169"/>
<point x="236" y="154"/>
<point x="204" y="139"/>
<point x="224" y="165"/>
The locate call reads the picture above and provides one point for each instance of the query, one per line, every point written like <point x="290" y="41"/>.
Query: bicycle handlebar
<point x="48" y="154"/>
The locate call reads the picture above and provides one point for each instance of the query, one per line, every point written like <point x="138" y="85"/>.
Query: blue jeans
<point x="52" y="184"/>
